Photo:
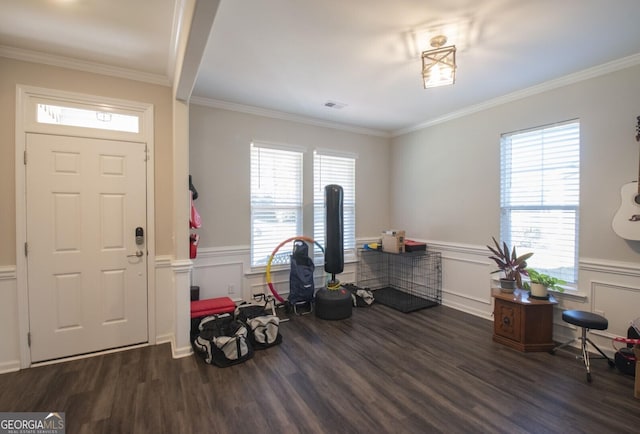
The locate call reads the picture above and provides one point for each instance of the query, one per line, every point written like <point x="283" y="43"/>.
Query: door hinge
<point x="26" y="249"/>
<point x="25" y="158"/>
<point x="29" y="339"/>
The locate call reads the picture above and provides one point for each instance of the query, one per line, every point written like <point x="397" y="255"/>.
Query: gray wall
<point x="220" y="165"/>
<point x="445" y="180"/>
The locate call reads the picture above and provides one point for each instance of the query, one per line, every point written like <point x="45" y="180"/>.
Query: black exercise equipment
<point x="334" y="231"/>
<point x="333" y="304"/>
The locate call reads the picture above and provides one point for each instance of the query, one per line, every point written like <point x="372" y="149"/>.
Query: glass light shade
<point x="439" y="66"/>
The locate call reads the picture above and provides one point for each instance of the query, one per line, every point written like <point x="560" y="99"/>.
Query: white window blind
<point x="540" y="193"/>
<point x="341" y="170"/>
<point x="276" y="201"/>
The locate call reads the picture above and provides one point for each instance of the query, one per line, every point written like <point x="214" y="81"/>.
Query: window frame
<point x="279" y="208"/>
<point x="320" y="180"/>
<point x="568" y="165"/>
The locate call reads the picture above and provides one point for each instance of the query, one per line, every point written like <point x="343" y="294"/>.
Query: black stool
<point x="587" y="321"/>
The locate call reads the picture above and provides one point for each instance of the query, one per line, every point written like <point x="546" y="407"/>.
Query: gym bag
<point x="361" y="297"/>
<point x="222" y="341"/>
<point x="263" y="328"/>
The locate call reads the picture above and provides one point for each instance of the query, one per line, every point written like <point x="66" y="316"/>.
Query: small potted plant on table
<point x="509" y="263"/>
<point x="541" y="283"/>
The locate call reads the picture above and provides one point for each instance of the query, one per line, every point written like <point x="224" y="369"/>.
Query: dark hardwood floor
<point x="435" y="370"/>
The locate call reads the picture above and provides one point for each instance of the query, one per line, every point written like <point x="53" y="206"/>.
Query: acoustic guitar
<point x="626" y="222"/>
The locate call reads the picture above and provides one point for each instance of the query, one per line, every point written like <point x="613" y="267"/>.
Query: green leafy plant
<point x="544" y="279"/>
<point x="508" y="262"/>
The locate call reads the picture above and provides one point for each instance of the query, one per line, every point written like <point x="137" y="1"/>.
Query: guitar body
<point x="626" y="222"/>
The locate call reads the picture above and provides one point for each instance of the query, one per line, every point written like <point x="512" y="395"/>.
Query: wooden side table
<point x="521" y="322"/>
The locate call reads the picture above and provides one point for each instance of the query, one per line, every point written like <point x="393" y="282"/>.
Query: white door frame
<point x="27" y="98"/>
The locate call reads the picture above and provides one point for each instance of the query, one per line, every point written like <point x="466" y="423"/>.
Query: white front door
<point x="87" y="277"/>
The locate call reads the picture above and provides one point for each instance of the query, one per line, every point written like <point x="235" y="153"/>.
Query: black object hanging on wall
<point x="334" y="230"/>
<point x="194" y="192"/>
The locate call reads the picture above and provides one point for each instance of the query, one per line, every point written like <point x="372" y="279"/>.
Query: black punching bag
<point x="333" y="230"/>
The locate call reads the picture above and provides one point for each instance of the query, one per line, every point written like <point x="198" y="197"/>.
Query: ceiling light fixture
<point x="439" y="64"/>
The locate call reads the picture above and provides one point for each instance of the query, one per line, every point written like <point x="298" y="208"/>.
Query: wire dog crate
<point x="404" y="281"/>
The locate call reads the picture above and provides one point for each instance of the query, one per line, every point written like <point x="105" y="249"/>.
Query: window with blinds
<point x="540" y="193"/>
<point x="331" y="168"/>
<point x="276" y="200"/>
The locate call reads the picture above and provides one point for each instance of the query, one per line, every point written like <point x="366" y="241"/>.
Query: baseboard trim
<point x="467" y="309"/>
<point x="179" y="353"/>
<point x="176" y="353"/>
<point x="163" y="339"/>
<point x="11" y="366"/>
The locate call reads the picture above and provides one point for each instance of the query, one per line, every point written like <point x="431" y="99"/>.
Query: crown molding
<point x="82" y="65"/>
<point x="596" y="71"/>
<point x="241" y="108"/>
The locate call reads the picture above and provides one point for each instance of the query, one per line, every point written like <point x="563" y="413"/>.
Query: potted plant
<point x="541" y="283"/>
<point x="509" y="263"/>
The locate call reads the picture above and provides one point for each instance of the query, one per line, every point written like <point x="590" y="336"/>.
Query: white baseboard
<point x="163" y="339"/>
<point x="11" y="366"/>
<point x="469" y="310"/>
<point x="179" y="353"/>
<point x="176" y="353"/>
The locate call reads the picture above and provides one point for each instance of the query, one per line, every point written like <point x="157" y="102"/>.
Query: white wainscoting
<point x="611" y="289"/>
<point x="9" y="345"/>
<point x="220" y="272"/>
<point x="466" y="281"/>
<point x="226" y="272"/>
<point x="165" y="294"/>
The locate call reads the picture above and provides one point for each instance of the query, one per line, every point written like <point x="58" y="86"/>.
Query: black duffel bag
<point x="223" y="341"/>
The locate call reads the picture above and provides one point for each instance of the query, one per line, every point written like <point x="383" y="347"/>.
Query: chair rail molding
<point x="7" y="272"/>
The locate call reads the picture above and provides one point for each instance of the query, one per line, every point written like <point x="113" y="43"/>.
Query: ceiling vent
<point x="334" y="104"/>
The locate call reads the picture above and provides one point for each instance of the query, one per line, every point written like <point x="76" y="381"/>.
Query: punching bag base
<point x="333" y="304"/>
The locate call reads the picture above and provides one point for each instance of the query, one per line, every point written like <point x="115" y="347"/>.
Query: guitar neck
<point x="638" y="140"/>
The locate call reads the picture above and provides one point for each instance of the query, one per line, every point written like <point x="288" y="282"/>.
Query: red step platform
<point x="212" y="306"/>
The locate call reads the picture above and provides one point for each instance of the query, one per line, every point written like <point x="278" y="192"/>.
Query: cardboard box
<point x="393" y="241"/>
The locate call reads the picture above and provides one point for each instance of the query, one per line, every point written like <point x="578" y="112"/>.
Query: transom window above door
<point x="87" y="118"/>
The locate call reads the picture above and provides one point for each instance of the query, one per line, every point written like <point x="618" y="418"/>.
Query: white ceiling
<point x="288" y="57"/>
<point x="122" y="35"/>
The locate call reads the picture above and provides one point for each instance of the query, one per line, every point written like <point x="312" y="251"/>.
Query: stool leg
<point x="604" y="356"/>
<point x="559" y="347"/>
<point x="585" y="353"/>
